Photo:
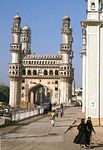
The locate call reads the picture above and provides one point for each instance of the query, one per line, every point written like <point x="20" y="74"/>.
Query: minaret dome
<point x="66" y="18"/>
<point x="17" y="17"/>
<point x="25" y="28"/>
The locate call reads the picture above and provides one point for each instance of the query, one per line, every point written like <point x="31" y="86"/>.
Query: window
<point x="45" y="72"/>
<point x="56" y="72"/>
<point x="56" y="82"/>
<point x="64" y="73"/>
<point x="50" y="72"/>
<point x="29" y="72"/>
<point x="92" y="5"/>
<point x="34" y="72"/>
<point x="23" y="87"/>
<point x="23" y="81"/>
<point x="56" y="89"/>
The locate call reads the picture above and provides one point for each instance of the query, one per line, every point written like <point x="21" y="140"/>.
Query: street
<point x="37" y="133"/>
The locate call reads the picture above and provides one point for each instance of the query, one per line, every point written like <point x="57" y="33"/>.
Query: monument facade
<point x="37" y="79"/>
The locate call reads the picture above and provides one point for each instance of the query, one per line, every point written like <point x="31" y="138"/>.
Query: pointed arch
<point x="34" y="72"/>
<point x="56" y="72"/>
<point x="29" y="72"/>
<point x="51" y="72"/>
<point x="45" y="72"/>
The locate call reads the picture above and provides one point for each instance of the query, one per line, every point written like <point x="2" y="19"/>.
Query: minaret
<point x="14" y="66"/>
<point x="93" y="61"/>
<point x="26" y="40"/>
<point x="66" y="70"/>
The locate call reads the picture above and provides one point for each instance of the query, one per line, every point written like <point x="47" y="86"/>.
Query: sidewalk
<point x="38" y="134"/>
<point x="96" y="138"/>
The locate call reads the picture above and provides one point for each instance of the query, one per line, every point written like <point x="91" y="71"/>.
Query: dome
<point x="66" y="18"/>
<point x="17" y="16"/>
<point x="25" y="28"/>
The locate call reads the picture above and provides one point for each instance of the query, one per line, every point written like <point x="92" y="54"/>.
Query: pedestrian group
<point x="85" y="133"/>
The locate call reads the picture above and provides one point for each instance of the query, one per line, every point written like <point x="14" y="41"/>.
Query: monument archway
<point x="39" y="94"/>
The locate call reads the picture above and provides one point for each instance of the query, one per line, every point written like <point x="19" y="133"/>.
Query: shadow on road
<point x="30" y="136"/>
<point x="97" y="146"/>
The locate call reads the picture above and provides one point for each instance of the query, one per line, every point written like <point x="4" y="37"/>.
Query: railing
<point x="14" y="115"/>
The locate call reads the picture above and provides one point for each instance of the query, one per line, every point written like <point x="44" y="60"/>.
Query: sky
<point x="44" y="17"/>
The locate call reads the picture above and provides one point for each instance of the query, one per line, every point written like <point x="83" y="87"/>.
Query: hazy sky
<point x="44" y="17"/>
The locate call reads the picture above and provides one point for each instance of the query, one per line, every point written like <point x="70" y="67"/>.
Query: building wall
<point x="92" y="71"/>
<point x="94" y="61"/>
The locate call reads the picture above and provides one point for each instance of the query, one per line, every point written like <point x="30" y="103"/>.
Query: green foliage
<point x="4" y="93"/>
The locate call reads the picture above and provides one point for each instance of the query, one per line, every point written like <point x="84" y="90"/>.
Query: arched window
<point x="23" y="81"/>
<point x="92" y="5"/>
<point x="56" y="72"/>
<point x="50" y="72"/>
<point x="23" y="87"/>
<point x="34" y="72"/>
<point x="56" y="82"/>
<point x="64" y="73"/>
<point x="29" y="72"/>
<point x="45" y="72"/>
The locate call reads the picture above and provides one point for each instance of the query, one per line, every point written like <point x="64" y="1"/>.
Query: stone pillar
<point x="32" y="98"/>
<point x="84" y="69"/>
<point x="14" y="95"/>
<point x="84" y="84"/>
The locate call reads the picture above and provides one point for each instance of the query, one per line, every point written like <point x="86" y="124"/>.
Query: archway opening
<point x="39" y="95"/>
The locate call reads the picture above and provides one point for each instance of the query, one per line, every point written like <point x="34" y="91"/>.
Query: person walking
<point x="81" y="136"/>
<point x="89" y="130"/>
<point x="61" y="110"/>
<point x="53" y="118"/>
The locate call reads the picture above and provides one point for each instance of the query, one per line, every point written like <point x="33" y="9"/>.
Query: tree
<point x="4" y="94"/>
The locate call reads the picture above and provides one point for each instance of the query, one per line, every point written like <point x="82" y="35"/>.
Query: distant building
<point x="92" y="53"/>
<point x="36" y="79"/>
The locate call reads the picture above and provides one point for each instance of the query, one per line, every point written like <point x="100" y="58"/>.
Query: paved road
<point x="37" y="133"/>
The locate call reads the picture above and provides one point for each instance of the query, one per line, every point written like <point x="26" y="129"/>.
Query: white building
<point x="92" y="53"/>
<point x="34" y="79"/>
